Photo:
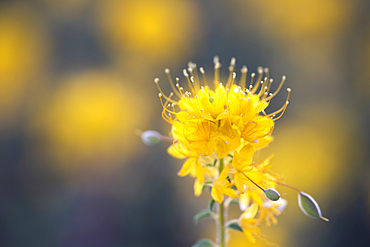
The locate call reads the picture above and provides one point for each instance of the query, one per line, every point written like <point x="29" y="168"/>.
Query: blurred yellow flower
<point x="149" y="28"/>
<point x="92" y="117"/>
<point x="300" y="20"/>
<point x="22" y="55"/>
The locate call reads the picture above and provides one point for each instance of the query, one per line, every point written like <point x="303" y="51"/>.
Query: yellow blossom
<point x="219" y="120"/>
<point x="222" y="186"/>
<point x="247" y="222"/>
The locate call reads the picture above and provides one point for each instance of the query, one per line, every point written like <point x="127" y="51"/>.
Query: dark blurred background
<point x="76" y="81"/>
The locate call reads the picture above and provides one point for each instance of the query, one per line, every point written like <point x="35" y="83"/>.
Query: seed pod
<point x="151" y="137"/>
<point x="272" y="194"/>
<point x="309" y="206"/>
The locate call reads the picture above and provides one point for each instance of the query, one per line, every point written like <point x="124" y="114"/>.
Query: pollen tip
<point x="253" y="74"/>
<point x="244" y="69"/>
<point x="287" y="102"/>
<point x="185" y="73"/>
<point x="201" y="70"/>
<point x="159" y="94"/>
<point x="232" y="62"/>
<point x="234" y="75"/>
<point x="289" y="89"/>
<point x="260" y="70"/>
<point x="271" y="80"/>
<point x="266" y="70"/>
<point x="216" y="59"/>
<point x="156" y="80"/>
<point x="167" y="70"/>
<point x="283" y="77"/>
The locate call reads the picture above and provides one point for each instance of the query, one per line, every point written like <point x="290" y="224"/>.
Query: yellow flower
<point x="221" y="120"/>
<point x="247" y="223"/>
<point x="222" y="186"/>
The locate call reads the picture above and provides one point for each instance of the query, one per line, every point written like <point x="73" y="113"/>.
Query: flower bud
<point x="151" y="137"/>
<point x="272" y="194"/>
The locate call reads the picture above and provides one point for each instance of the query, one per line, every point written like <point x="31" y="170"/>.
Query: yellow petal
<point x="247" y="153"/>
<point x="197" y="187"/>
<point x="187" y="166"/>
<point x="222" y="148"/>
<point x="244" y="200"/>
<point x="199" y="171"/>
<point x="249" y="213"/>
<point x="224" y="173"/>
<point x="239" y="183"/>
<point x="175" y="152"/>
<point x="217" y="195"/>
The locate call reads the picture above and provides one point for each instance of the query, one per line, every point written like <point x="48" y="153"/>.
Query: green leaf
<point x="235" y="226"/>
<point x="202" y="214"/>
<point x="309" y="206"/>
<point x="212" y="205"/>
<point x="203" y="243"/>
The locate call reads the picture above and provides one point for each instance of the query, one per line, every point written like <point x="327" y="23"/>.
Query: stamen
<point x="167" y="71"/>
<point x="156" y="81"/>
<point x="256" y="85"/>
<point x="278" y="89"/>
<point x="217" y="73"/>
<point x="204" y="76"/>
<point x="178" y="87"/>
<point x="243" y="78"/>
<point x="283" y="108"/>
<point x="231" y="73"/>
<point x="188" y="80"/>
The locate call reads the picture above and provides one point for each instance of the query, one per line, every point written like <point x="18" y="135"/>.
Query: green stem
<point x="222" y="225"/>
<point x="221" y="232"/>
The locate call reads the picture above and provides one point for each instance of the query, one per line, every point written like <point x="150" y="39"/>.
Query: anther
<point x="244" y="69"/>
<point x="167" y="70"/>
<point x="185" y="73"/>
<point x="260" y="70"/>
<point x="216" y="59"/>
<point x="156" y="80"/>
<point x="288" y="89"/>
<point x="283" y="77"/>
<point x="232" y="62"/>
<point x="234" y="75"/>
<point x="266" y="70"/>
<point x="159" y="94"/>
<point x="202" y="70"/>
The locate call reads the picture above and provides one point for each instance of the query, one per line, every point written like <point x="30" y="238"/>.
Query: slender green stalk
<point x="222" y="225"/>
<point x="221" y="230"/>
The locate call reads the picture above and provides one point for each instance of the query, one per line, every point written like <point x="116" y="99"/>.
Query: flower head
<point x="221" y="119"/>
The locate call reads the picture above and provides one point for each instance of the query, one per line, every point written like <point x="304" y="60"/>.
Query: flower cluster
<point x="218" y="131"/>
